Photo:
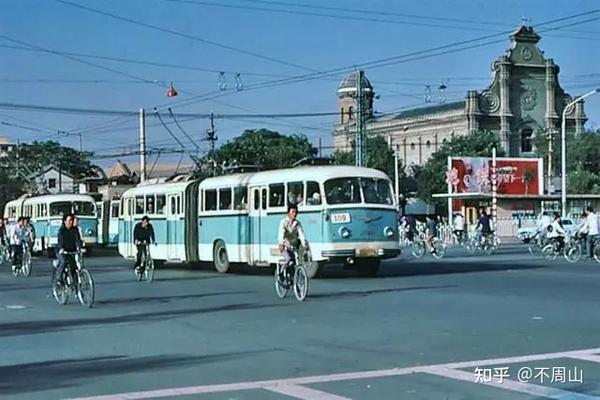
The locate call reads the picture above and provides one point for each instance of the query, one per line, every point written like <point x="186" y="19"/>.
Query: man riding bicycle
<point x="290" y="235"/>
<point x="484" y="226"/>
<point x="67" y="243"/>
<point x="17" y="236"/>
<point x="143" y="234"/>
<point x="556" y="232"/>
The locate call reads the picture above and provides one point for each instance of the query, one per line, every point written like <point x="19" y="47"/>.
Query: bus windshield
<point x="83" y="208"/>
<point x="376" y="191"/>
<point x="342" y="191"/>
<point x="60" y="208"/>
<point x="348" y="191"/>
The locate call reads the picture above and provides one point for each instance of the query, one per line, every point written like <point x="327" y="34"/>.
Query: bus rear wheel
<point x="220" y="257"/>
<point x="367" y="267"/>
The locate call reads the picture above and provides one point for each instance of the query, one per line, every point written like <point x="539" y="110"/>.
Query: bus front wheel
<point x="313" y="268"/>
<point x="367" y="267"/>
<point x="220" y="257"/>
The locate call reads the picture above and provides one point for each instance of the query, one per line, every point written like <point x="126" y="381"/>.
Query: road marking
<point x="514" y="386"/>
<point x="269" y="384"/>
<point x="586" y="357"/>
<point x="304" y="393"/>
<point x="14" y="307"/>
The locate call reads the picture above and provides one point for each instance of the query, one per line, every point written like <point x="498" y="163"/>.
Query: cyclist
<point x="431" y="230"/>
<point x="290" y="235"/>
<point x="3" y="233"/>
<point x="543" y="223"/>
<point x="30" y="231"/>
<point x="143" y="234"/>
<point x="16" y="237"/>
<point x="459" y="227"/>
<point x="67" y="242"/>
<point x="80" y="242"/>
<point x="484" y="226"/>
<point x="556" y="232"/>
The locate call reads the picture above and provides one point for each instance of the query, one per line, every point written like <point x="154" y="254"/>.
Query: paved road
<point x="417" y="331"/>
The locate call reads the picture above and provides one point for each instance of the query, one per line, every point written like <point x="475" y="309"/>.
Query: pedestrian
<point x="591" y="227"/>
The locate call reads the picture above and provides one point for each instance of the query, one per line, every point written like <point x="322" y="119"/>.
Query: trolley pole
<point x="142" y="145"/>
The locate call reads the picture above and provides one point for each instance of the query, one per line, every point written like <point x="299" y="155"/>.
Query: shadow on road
<point x="365" y="293"/>
<point x="46" y="326"/>
<point x="168" y="299"/>
<point x="56" y="374"/>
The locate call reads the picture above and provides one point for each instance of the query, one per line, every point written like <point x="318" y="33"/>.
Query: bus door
<point x="258" y="212"/>
<point x="128" y="219"/>
<point x="173" y="239"/>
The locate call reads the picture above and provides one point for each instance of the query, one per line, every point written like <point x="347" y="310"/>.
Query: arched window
<point x="526" y="140"/>
<point x="428" y="144"/>
<point x="412" y="146"/>
<point x="342" y="115"/>
<point x="350" y="112"/>
<point x="444" y="141"/>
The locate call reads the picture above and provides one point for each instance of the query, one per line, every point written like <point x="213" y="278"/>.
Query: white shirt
<point x="591" y="222"/>
<point x="16" y="234"/>
<point x="556" y="231"/>
<point x="290" y="232"/>
<point x="459" y="223"/>
<point x="544" y="222"/>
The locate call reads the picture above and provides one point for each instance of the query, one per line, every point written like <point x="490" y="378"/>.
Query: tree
<point x="262" y="147"/>
<point x="431" y="177"/>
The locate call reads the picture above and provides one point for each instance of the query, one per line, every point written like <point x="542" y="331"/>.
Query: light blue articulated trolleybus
<point x="46" y="213"/>
<point x="348" y="214"/>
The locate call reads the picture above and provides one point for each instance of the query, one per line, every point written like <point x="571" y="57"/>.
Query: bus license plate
<point x="340" y="218"/>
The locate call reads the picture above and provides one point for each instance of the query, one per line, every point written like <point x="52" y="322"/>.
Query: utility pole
<point x="550" y="150"/>
<point x="494" y="193"/>
<point x="80" y="142"/>
<point x="211" y="133"/>
<point x="142" y="145"/>
<point x="360" y="150"/>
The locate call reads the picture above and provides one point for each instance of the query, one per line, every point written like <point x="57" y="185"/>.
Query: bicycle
<point x="25" y="267"/>
<point x="75" y="279"/>
<point x="487" y="244"/>
<point x="4" y="253"/>
<point x="419" y="247"/>
<point x="146" y="267"/>
<point x="293" y="275"/>
<point x="573" y="250"/>
<point x="537" y="243"/>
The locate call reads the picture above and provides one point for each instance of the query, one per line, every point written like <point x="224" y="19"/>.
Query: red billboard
<point x="520" y="176"/>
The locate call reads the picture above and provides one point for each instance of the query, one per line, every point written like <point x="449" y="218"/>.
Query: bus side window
<point x="225" y="199"/>
<point x="149" y="204"/>
<point x="256" y="199"/>
<point x="240" y="195"/>
<point x="179" y="208"/>
<point x="313" y="193"/>
<point x="263" y="198"/>
<point x="173" y="206"/>
<point x="210" y="200"/>
<point x="139" y="205"/>
<point x="276" y="195"/>
<point x="295" y="193"/>
<point x="160" y="204"/>
<point x="114" y="210"/>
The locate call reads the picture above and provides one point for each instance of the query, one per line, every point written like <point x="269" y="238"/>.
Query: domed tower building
<point x="523" y="100"/>
<point x="347" y="105"/>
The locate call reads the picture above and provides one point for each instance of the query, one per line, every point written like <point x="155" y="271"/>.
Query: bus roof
<point x="158" y="188"/>
<point x="318" y="173"/>
<point x="50" y="198"/>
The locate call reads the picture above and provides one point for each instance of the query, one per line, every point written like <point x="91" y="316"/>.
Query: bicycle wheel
<point x="300" y="283"/>
<point x="418" y="249"/>
<point x="60" y="292"/>
<point x="439" y="250"/>
<point x="86" y="290"/>
<point x="139" y="273"/>
<point x="534" y="247"/>
<point x="573" y="252"/>
<point x="596" y="251"/>
<point x="471" y="246"/>
<point x="280" y="287"/>
<point x="26" y="264"/>
<point x="149" y="270"/>
<point x="548" y="252"/>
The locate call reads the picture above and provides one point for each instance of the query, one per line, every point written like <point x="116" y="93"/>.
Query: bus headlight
<point x="90" y="232"/>
<point x="344" y="232"/>
<point x="388" y="232"/>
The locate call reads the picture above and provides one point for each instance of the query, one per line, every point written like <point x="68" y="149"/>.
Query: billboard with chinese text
<point x="518" y="176"/>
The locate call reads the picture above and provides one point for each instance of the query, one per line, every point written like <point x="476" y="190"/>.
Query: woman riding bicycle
<point x="556" y="232"/>
<point x="291" y="235"/>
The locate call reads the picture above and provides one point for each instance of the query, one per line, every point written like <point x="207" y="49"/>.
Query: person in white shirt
<point x="544" y="222"/>
<point x="556" y="232"/>
<point x="459" y="226"/>
<point x="17" y="235"/>
<point x="290" y="235"/>
<point x="591" y="226"/>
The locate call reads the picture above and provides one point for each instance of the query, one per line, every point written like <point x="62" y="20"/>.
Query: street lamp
<point x="563" y="149"/>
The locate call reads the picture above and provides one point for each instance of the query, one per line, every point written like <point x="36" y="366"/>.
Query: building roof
<point x="349" y="83"/>
<point x="119" y="168"/>
<point x="416" y="112"/>
<point x="49" y="168"/>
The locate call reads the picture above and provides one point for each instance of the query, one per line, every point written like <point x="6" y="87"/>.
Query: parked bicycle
<point x="146" y="267"/>
<point x="75" y="279"/>
<point x="293" y="275"/>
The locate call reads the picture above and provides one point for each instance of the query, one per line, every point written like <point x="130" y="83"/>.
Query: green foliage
<point x="583" y="181"/>
<point x="379" y="156"/>
<point x="432" y="176"/>
<point x="263" y="147"/>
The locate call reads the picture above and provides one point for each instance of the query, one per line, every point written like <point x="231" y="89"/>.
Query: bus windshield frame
<point x="353" y="190"/>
